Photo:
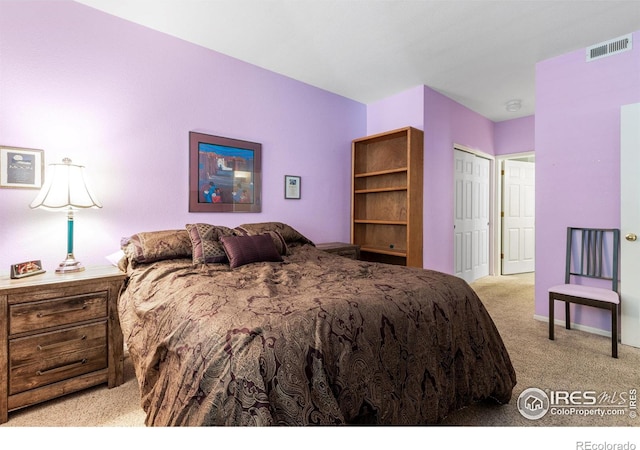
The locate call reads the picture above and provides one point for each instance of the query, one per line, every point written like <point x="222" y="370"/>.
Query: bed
<point x="256" y="326"/>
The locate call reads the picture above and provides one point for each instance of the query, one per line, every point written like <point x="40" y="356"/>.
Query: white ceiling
<point x="481" y="53"/>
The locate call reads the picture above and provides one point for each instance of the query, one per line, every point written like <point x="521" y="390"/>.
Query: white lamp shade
<point x="65" y="187"/>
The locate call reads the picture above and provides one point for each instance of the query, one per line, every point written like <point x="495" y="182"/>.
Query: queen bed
<point x="256" y="326"/>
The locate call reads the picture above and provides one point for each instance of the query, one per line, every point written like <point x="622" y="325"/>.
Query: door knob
<point x="631" y="237"/>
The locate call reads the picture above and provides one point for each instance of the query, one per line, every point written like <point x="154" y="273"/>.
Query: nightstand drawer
<point x="43" y="359"/>
<point x="60" y="311"/>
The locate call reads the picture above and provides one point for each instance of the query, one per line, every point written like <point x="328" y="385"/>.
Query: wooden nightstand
<point x="348" y="250"/>
<point x="59" y="333"/>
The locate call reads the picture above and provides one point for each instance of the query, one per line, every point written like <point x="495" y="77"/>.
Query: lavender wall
<point x="577" y="135"/>
<point x="514" y="136"/>
<point x="405" y="109"/>
<point x="445" y="123"/>
<point x="121" y="99"/>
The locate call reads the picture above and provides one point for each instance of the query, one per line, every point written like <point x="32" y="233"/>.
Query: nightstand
<point x="59" y="333"/>
<point x="347" y="250"/>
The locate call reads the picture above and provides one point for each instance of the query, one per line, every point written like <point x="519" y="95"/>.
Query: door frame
<point x="629" y="223"/>
<point x="496" y="249"/>
<point x="492" y="203"/>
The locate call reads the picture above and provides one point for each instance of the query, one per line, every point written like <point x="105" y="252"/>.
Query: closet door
<point x="471" y="221"/>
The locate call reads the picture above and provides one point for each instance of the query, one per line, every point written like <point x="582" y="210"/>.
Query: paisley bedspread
<point x="316" y="339"/>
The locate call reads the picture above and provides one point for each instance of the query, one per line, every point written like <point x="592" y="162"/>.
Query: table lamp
<point x="65" y="189"/>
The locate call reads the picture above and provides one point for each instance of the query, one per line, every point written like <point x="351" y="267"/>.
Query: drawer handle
<point x="62" y="368"/>
<point x="51" y="313"/>
<point x="59" y="344"/>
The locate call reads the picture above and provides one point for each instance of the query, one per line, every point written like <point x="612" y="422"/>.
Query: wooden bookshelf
<point x="386" y="204"/>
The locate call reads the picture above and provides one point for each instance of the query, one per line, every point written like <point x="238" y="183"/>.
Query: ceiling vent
<point x="609" y="48"/>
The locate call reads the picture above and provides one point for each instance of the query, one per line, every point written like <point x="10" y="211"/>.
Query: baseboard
<point x="574" y="326"/>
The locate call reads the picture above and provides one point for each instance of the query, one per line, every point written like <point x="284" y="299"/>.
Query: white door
<point x="471" y="220"/>
<point x="630" y="225"/>
<point x="518" y="221"/>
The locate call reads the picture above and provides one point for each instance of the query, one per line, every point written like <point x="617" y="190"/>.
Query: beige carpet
<point x="574" y="361"/>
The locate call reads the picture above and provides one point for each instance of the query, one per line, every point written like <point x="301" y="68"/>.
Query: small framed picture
<point x="292" y="187"/>
<point x="21" y="168"/>
<point x="26" y="269"/>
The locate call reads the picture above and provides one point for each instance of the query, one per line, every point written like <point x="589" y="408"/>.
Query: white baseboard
<point x="574" y="326"/>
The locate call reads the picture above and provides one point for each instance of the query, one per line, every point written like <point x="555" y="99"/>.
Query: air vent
<point x="608" y="48"/>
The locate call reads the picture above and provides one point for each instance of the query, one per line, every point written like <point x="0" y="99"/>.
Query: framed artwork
<point x="292" y="187"/>
<point x="21" y="168"/>
<point x="224" y="174"/>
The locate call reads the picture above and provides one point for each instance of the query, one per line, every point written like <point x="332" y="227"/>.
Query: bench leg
<point x="551" y="320"/>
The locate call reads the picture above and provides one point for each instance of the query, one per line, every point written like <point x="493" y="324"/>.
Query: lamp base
<point x="70" y="265"/>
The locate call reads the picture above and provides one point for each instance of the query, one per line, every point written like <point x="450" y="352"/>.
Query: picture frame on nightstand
<point x="26" y="269"/>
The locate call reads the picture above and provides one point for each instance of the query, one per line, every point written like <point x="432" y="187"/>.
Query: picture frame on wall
<point x="292" y="185"/>
<point x="21" y="168"/>
<point x="224" y="174"/>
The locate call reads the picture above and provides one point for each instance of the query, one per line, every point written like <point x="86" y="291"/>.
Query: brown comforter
<point x="317" y="339"/>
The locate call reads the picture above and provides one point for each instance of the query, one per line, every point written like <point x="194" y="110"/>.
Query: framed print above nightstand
<point x="21" y="167"/>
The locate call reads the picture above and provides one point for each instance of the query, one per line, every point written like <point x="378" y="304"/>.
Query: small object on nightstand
<point x="343" y="249"/>
<point x="26" y="269"/>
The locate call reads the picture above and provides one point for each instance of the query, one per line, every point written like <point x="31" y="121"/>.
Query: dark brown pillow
<point x="243" y="250"/>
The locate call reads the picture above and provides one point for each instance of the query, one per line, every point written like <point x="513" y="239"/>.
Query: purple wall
<point x="121" y="99"/>
<point x="405" y="109"/>
<point x="515" y="136"/>
<point x="445" y="123"/>
<point x="577" y="135"/>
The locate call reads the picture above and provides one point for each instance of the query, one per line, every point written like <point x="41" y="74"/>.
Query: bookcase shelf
<point x="386" y="203"/>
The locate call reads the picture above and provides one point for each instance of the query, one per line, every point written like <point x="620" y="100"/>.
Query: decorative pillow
<point x="205" y="240"/>
<point x="243" y="250"/>
<point x="150" y="246"/>
<point x="287" y="232"/>
<point x="279" y="241"/>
